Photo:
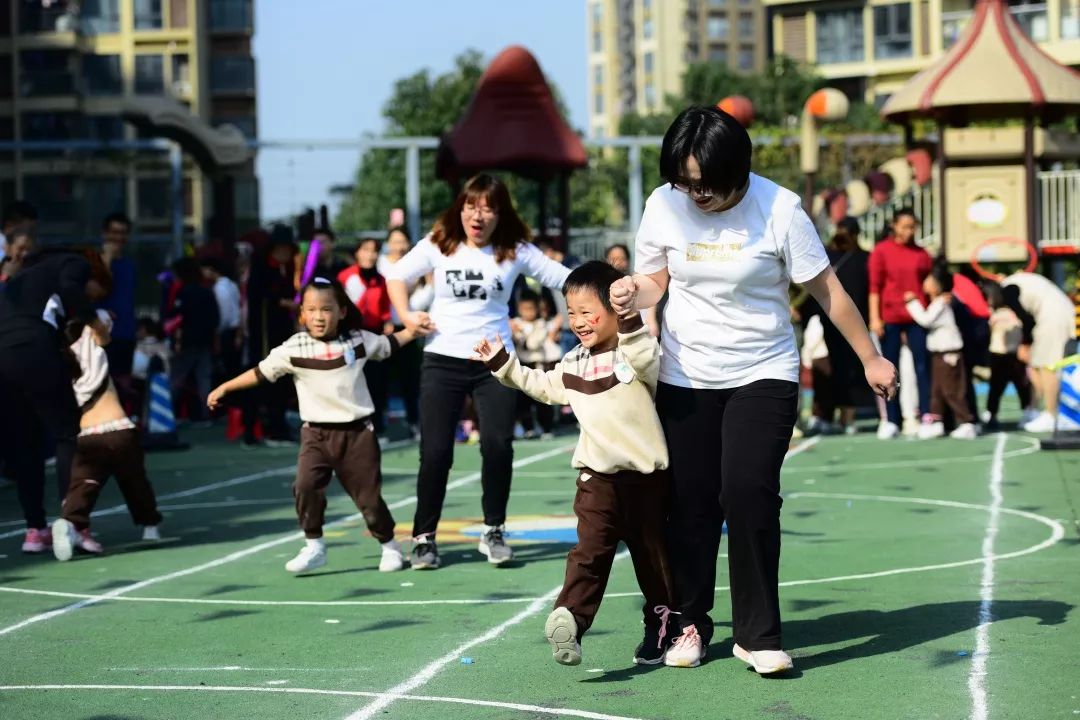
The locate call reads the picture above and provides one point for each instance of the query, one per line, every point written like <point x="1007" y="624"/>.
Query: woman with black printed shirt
<point x="476" y="251"/>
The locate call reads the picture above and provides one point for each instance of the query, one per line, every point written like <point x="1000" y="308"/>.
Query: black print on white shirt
<point x="467" y="284"/>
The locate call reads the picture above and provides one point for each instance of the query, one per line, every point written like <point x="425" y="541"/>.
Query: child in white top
<point x="327" y="361"/>
<point x="943" y="340"/>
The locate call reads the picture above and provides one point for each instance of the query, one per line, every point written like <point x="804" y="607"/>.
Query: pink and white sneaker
<point x="764" y="662"/>
<point x="37" y="541"/>
<point x="86" y="542"/>
<point x="687" y="651"/>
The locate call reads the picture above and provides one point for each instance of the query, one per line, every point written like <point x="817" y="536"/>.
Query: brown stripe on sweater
<point x="589" y="387"/>
<point x="324" y="364"/>
<point x="630" y="323"/>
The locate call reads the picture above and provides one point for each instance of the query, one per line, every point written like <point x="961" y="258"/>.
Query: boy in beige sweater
<point x="623" y="488"/>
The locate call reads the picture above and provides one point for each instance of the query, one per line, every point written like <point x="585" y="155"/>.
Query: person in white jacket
<point x="948" y="377"/>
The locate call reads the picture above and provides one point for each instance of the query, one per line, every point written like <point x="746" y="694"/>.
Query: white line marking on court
<point x="522" y="707"/>
<point x="291" y="537"/>
<point x="978" y="672"/>
<point x="1032" y="448"/>
<point x="427" y="673"/>
<point x="1057" y="533"/>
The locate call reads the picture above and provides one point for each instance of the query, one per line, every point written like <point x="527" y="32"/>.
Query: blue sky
<point x="326" y="67"/>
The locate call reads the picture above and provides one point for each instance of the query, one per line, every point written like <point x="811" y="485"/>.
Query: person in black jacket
<point x="197" y="335"/>
<point x="36" y="370"/>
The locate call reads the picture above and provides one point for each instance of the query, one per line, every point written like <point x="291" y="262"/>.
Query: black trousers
<point x="444" y="384"/>
<point x="726" y="449"/>
<point x="404" y="374"/>
<point x="1005" y="369"/>
<point x="376" y="375"/>
<point x="37" y="398"/>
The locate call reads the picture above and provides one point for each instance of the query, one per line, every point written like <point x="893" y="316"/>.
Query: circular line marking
<point x="1057" y="532"/>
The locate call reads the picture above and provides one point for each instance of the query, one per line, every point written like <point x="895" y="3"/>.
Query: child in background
<point x="946" y="346"/>
<point x="531" y="334"/>
<point x="108" y="443"/>
<point x="149" y="344"/>
<point x="1006" y="334"/>
<point x="327" y="362"/>
<point x="623" y="488"/>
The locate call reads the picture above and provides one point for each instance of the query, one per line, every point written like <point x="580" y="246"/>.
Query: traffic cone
<point x="159" y="432"/>
<point x="235" y="427"/>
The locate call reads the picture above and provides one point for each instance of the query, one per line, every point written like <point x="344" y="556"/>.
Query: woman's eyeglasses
<point x="699" y="192"/>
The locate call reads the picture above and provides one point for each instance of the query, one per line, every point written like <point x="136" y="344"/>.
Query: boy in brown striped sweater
<point x="622" y="489"/>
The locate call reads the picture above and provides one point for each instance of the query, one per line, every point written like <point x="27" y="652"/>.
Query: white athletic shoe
<point x="687" y="651"/>
<point x="310" y="557"/>
<point x="911" y="427"/>
<point x="765" y="662"/>
<point x="931" y="430"/>
<point x="65" y="538"/>
<point x="151" y="533"/>
<point x="393" y="559"/>
<point x="966" y="431"/>
<point x="561" y="632"/>
<point x="1028" y="415"/>
<point x="1044" y="423"/>
<point x="887" y="430"/>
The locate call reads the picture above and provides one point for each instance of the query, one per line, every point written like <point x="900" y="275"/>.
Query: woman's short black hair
<point x="596" y="277"/>
<point x="716" y="140"/>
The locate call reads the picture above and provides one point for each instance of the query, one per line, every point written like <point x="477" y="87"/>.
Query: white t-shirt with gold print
<point x="727" y="322"/>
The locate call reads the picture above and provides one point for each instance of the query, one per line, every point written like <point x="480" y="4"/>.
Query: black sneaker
<point x="493" y="545"/>
<point x="652" y="648"/>
<point x="425" y="554"/>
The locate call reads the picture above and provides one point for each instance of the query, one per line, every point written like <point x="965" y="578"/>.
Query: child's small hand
<point x="213" y="400"/>
<point x="909" y="296"/>
<point x="486" y="349"/>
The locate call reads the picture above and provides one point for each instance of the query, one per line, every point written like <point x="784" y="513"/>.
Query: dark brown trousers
<point x="628" y="507"/>
<point x="948" y="387"/>
<point x="352" y="452"/>
<point x="97" y="457"/>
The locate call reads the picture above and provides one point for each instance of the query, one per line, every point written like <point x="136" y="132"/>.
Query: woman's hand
<point x="486" y="350"/>
<point x="881" y="375"/>
<point x="623" y="295"/>
<point x="418" y="322"/>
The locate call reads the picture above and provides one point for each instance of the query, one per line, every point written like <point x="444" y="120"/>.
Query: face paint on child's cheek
<point x="593" y="321"/>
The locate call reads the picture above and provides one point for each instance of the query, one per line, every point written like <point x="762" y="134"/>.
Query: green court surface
<point x="931" y="579"/>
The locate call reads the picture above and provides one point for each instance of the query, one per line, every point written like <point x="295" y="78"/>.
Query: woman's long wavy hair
<point x="448" y="232"/>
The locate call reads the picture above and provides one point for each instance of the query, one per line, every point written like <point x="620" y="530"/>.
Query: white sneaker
<point x="151" y="533"/>
<point x="930" y="430"/>
<point x="393" y="559"/>
<point x="1028" y="415"/>
<point x="966" y="431"/>
<point x="687" y="651"/>
<point x="64" y="539"/>
<point x="887" y="430"/>
<point x="765" y="662"/>
<point x="310" y="557"/>
<point x="985" y="416"/>
<point x="911" y="427"/>
<point x="561" y="632"/>
<point x="1044" y="423"/>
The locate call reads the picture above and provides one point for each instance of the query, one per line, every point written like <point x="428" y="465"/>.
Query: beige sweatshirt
<point x="611" y="394"/>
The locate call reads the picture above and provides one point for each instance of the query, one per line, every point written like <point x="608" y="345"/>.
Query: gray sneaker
<point x="493" y="545"/>
<point x="425" y="554"/>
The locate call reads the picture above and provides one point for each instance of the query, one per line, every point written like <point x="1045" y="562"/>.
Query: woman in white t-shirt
<point x="476" y="251"/>
<point x="725" y="244"/>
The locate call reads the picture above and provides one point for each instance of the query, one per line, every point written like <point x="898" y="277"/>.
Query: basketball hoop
<point x="986" y="251"/>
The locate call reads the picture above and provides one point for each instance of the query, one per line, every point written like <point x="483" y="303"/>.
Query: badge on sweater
<point x="623" y="372"/>
<point x="349" y="354"/>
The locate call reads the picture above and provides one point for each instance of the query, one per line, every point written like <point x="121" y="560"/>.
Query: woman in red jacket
<point x="898" y="266"/>
<point x="366" y="287"/>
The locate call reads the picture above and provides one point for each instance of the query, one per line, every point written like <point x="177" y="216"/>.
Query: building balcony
<point x="231" y="16"/>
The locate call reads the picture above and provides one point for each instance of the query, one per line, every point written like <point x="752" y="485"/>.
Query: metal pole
<point x="634" y="188"/>
<point x="412" y="189"/>
<point x="176" y="176"/>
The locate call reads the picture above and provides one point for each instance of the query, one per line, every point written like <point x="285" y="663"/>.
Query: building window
<point x="952" y="26"/>
<point x="45" y="72"/>
<point x="718" y="28"/>
<point x="840" y="36"/>
<point x="99" y="17"/>
<point x="1070" y="20"/>
<point x="181" y="76"/>
<point x="598" y="132"/>
<point x="717" y="3"/>
<point x="6" y="85"/>
<point x="41" y="17"/>
<point x="598" y="76"/>
<point x="1032" y="18"/>
<point x="649" y="63"/>
<point x="247" y="197"/>
<point x="598" y="103"/>
<point x="101" y="75"/>
<point x="718" y="54"/>
<point x="647" y="29"/>
<point x="148" y="15"/>
<point x="597" y="27"/>
<point x="103" y="195"/>
<point x="107" y="128"/>
<point x="153" y="200"/>
<point x="53" y="196"/>
<point x="746" y="58"/>
<point x="149" y="75"/>
<point x="746" y="25"/>
<point x="232" y="73"/>
<point x="650" y="96"/>
<point x="892" y="31"/>
<point x="230" y="15"/>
